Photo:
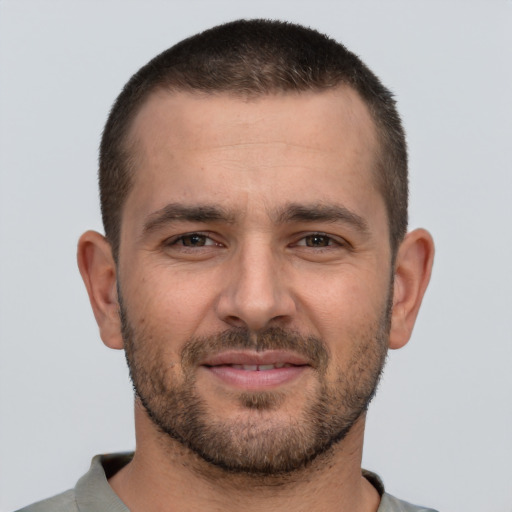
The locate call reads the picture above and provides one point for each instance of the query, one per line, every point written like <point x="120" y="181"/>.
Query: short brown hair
<point x="252" y="58"/>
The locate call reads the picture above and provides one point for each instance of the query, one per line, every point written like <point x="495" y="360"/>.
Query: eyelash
<point x="331" y="242"/>
<point x="174" y="241"/>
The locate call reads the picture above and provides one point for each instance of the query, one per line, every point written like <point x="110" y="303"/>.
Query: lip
<point x="255" y="378"/>
<point x="246" y="357"/>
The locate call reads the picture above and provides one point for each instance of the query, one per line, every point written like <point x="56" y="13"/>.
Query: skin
<point x="328" y="278"/>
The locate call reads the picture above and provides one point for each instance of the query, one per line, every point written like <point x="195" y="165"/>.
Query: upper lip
<point x="246" y="357"/>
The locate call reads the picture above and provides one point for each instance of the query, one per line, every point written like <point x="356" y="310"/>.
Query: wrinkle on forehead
<point x="194" y="121"/>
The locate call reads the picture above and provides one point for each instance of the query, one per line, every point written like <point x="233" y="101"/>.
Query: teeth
<point x="259" y="367"/>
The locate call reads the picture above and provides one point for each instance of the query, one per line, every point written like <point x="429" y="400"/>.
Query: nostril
<point x="258" y="325"/>
<point x="234" y="321"/>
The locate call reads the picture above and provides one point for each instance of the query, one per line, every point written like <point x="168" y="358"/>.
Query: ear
<point x="413" y="267"/>
<point x="98" y="270"/>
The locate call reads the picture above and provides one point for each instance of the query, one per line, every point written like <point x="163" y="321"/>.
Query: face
<point x="254" y="273"/>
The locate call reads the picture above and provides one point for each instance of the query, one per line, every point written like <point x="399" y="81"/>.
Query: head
<point x="249" y="59"/>
<point x="255" y="269"/>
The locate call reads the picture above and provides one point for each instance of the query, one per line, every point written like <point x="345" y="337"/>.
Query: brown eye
<point x="193" y="240"/>
<point x="317" y="241"/>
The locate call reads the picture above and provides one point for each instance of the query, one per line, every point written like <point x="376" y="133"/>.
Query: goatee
<point x="255" y="442"/>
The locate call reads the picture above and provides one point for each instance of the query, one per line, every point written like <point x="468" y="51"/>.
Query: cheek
<point x="167" y="305"/>
<point x="347" y="310"/>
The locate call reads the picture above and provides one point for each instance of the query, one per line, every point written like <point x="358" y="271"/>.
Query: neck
<point x="164" y="476"/>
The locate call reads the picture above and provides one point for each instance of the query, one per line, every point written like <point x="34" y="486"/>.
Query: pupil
<point x="317" y="241"/>
<point x="192" y="240"/>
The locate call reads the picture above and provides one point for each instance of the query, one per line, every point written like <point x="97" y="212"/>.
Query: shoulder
<point x="391" y="504"/>
<point x="92" y="492"/>
<point x="64" y="502"/>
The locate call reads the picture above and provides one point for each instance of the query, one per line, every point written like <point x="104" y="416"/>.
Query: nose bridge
<point x="255" y="294"/>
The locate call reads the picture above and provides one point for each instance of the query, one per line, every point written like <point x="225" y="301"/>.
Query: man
<point x="255" y="269"/>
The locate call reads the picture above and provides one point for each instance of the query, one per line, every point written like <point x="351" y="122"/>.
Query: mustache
<point x="273" y="338"/>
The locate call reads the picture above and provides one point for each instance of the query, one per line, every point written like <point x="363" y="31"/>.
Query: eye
<point x="319" y="240"/>
<point x="192" y="240"/>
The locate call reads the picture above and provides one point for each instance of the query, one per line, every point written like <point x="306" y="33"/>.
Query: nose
<point x="255" y="294"/>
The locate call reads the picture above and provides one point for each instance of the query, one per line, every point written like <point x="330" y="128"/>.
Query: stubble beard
<point x="256" y="444"/>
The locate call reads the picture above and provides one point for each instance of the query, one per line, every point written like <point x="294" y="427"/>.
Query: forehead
<point x="327" y="119"/>
<point x="272" y="148"/>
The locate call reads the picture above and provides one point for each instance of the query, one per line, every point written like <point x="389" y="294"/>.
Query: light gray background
<point x="440" y="431"/>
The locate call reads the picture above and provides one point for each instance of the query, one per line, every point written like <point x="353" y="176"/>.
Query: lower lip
<point x="254" y="379"/>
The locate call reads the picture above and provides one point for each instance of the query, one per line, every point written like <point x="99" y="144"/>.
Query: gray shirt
<point x="93" y="493"/>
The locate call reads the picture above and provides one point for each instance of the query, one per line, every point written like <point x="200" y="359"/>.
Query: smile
<point x="252" y="371"/>
<point x="260" y="367"/>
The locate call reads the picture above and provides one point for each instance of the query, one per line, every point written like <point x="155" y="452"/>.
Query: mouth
<point x="253" y="371"/>
<point x="260" y="367"/>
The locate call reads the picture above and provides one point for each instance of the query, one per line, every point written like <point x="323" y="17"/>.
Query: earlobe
<point x="413" y="267"/>
<point x="98" y="270"/>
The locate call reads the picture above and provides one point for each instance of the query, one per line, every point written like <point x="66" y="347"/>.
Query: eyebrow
<point x="290" y="213"/>
<point x="321" y="213"/>
<point x="181" y="212"/>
